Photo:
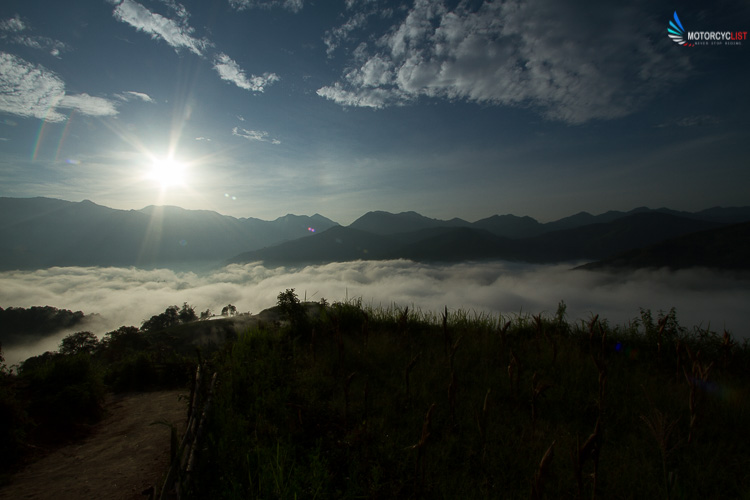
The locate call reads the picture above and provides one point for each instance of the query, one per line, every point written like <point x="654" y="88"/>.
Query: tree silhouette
<point x="291" y="308"/>
<point x="80" y="342"/>
<point x="228" y="310"/>
<point x="187" y="313"/>
<point x="124" y="340"/>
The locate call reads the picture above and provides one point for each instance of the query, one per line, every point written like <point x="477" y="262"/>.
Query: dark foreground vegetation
<point x="344" y="401"/>
<point x="350" y="402"/>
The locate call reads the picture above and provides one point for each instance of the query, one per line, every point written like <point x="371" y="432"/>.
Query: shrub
<point x="292" y="309"/>
<point x="13" y="419"/>
<point x="133" y="373"/>
<point x="66" y="392"/>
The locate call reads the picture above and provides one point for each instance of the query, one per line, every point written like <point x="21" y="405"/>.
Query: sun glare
<point x="167" y="172"/>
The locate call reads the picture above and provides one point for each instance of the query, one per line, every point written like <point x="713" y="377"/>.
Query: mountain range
<point x="44" y="232"/>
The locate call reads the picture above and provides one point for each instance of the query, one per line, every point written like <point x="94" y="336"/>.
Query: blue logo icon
<point x="676" y="32"/>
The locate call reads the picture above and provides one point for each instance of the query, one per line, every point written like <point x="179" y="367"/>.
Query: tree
<point x="124" y="339"/>
<point x="170" y="317"/>
<point x="228" y="310"/>
<point x="187" y="313"/>
<point x="291" y="308"/>
<point x="3" y="368"/>
<point x="80" y="342"/>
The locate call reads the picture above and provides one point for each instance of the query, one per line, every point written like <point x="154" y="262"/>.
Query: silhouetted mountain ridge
<point x="44" y="232"/>
<point x="380" y="222"/>
<point x="452" y="244"/>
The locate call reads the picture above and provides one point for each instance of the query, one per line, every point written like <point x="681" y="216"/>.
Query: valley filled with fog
<point x="128" y="296"/>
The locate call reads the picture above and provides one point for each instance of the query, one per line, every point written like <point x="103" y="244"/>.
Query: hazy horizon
<point x="128" y="296"/>
<point x="312" y="212"/>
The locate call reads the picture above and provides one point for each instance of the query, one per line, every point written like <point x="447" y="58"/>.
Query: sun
<point x="168" y="172"/>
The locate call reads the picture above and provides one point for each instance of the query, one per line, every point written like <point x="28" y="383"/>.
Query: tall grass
<point x="386" y="407"/>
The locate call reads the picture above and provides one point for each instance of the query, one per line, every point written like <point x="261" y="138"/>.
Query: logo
<point x="677" y="32"/>
<point x="681" y="36"/>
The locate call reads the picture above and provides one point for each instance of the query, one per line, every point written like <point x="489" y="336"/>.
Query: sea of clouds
<point x="127" y="296"/>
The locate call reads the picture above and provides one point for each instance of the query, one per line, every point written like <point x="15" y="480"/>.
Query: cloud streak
<point x="129" y="296"/>
<point x="176" y="34"/>
<point x="130" y="95"/>
<point x="536" y="54"/>
<point x="230" y="71"/>
<point x="254" y="135"/>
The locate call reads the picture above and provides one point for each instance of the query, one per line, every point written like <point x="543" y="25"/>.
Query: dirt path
<point x="123" y="455"/>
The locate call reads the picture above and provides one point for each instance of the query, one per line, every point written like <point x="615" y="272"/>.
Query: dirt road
<point x="123" y="455"/>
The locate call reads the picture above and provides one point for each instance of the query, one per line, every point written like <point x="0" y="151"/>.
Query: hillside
<point x="361" y="403"/>
<point x="601" y="240"/>
<point x="722" y="248"/>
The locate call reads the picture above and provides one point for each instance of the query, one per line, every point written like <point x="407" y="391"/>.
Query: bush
<point x="134" y="373"/>
<point x="292" y="309"/>
<point x="121" y="343"/>
<point x="66" y="393"/>
<point x="13" y="419"/>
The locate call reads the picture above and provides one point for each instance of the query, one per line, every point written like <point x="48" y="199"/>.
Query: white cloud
<point x="89" y="105"/>
<point x="13" y="25"/>
<point x="230" y="71"/>
<point x="292" y="5"/>
<point x="128" y="296"/>
<point x="28" y="90"/>
<point x="129" y="95"/>
<point x="33" y="91"/>
<point x="54" y="47"/>
<point x="364" y="97"/>
<point x="180" y="11"/>
<point x="254" y="135"/>
<point x="176" y="34"/>
<point x="542" y="54"/>
<point x="334" y="37"/>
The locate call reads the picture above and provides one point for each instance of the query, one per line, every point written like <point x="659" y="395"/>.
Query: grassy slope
<point x="330" y="414"/>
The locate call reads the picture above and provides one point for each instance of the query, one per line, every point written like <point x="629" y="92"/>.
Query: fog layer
<point x="127" y="296"/>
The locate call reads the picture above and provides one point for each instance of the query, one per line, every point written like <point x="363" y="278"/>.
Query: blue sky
<point x="449" y="108"/>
